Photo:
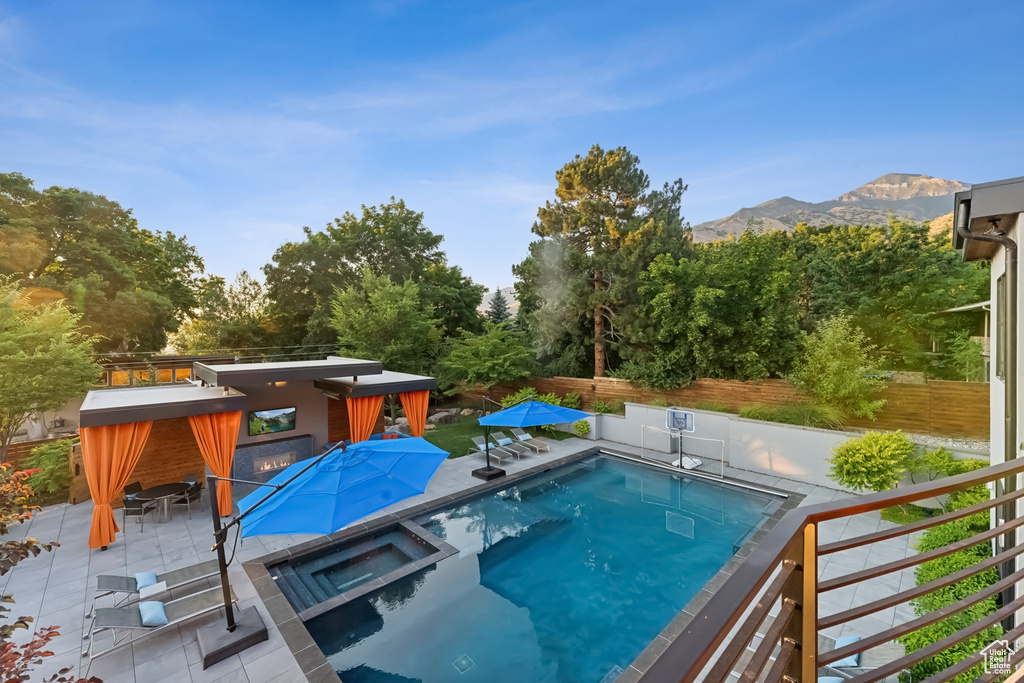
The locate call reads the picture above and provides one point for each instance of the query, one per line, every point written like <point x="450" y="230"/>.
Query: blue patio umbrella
<point x="343" y="487"/>
<point x="532" y="414"/>
<point x="525" y="414"/>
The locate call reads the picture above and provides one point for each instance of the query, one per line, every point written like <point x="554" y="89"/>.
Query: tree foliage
<point x="834" y="369"/>
<point x="497" y="355"/>
<point x="45" y="359"/>
<point x="388" y="241"/>
<point x="497" y="311"/>
<point x="231" y="316"/>
<point x="51" y="466"/>
<point x="578" y="286"/>
<point x="130" y="285"/>
<point x="377" y="319"/>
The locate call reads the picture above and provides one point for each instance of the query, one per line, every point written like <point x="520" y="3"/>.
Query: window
<point x="1000" y="335"/>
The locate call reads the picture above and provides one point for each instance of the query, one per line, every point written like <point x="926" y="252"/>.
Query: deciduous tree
<point x="497" y="355"/>
<point x="45" y="359"/>
<point x="377" y="319"/>
<point x="129" y="284"/>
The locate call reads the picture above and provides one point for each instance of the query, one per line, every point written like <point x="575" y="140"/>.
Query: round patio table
<point x="164" y="493"/>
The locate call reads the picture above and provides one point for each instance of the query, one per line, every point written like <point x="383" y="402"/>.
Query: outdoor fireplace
<point x="272" y="463"/>
<point x="263" y="460"/>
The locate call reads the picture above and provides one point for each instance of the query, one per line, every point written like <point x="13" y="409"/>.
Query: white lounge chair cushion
<point x="852" y="660"/>
<point x="153" y="613"/>
<point x="144" y="579"/>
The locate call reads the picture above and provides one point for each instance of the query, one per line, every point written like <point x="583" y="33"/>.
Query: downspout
<point x="1009" y="382"/>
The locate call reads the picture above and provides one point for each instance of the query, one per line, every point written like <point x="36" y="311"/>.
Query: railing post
<point x="802" y="590"/>
<point x="809" y="642"/>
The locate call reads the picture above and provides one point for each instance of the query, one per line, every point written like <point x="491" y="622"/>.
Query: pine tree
<point x="498" y="311"/>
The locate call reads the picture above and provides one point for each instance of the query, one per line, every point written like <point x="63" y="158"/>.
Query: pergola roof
<point x="247" y="374"/>
<point x="141" y="404"/>
<point x="376" y="385"/>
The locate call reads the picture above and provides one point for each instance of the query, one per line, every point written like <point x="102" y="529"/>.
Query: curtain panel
<point x="362" y="415"/>
<point x="414" y="403"/>
<point x="217" y="435"/>
<point x="109" y="454"/>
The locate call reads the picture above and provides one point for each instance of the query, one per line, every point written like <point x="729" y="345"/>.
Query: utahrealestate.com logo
<point x="997" y="658"/>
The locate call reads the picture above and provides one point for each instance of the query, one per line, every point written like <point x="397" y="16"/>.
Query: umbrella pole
<point x="488" y="473"/>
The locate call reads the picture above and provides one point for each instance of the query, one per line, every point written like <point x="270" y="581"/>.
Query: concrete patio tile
<point x="228" y="671"/>
<point x="169" y="666"/>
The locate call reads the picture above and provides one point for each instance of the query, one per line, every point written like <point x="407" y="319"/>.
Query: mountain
<point x="919" y="197"/>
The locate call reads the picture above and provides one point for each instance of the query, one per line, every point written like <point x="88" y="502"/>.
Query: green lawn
<point x="910" y="513"/>
<point x="456" y="438"/>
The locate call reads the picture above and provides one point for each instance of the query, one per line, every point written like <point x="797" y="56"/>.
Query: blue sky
<point x="238" y="123"/>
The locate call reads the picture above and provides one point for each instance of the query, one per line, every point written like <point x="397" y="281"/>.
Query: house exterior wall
<point x="310" y="416"/>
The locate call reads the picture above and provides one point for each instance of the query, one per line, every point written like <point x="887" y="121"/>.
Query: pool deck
<point x="55" y="588"/>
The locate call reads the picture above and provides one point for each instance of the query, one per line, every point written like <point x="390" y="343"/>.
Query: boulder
<point x="443" y="418"/>
<point x="428" y="426"/>
<point x="401" y="422"/>
<point x="388" y="421"/>
<point x="466" y="412"/>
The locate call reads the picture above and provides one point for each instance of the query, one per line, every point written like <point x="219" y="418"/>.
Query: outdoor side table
<point x="164" y="493"/>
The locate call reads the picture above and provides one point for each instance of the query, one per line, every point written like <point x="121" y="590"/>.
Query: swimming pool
<point x="566" y="576"/>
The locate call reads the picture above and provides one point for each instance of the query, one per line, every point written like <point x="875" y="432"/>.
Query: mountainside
<point x="919" y="197"/>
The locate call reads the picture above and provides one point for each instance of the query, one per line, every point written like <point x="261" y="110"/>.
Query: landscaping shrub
<point x="603" y="407"/>
<point x="712" y="405"/>
<point x="51" y="459"/>
<point x="572" y="400"/>
<point x="937" y="537"/>
<point x="581" y="428"/>
<point x="834" y="369"/>
<point x="873" y="462"/>
<point x="531" y="394"/>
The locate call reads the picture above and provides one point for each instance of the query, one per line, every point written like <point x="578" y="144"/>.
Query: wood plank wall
<point x="17" y="452"/>
<point x="939" y="408"/>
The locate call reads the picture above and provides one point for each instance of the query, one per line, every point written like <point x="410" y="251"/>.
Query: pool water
<point x="564" y="577"/>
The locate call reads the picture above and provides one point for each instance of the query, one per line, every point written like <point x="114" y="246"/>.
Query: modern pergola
<point x="116" y="423"/>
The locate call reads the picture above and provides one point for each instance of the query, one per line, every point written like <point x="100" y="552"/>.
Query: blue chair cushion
<point x="504" y="442"/>
<point x="144" y="579"/>
<point x="152" y="613"/>
<point x="852" y="660"/>
<point x="129" y="496"/>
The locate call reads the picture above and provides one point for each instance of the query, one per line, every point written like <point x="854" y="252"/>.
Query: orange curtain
<point x="414" y="403"/>
<point x="217" y="435"/>
<point x="362" y="415"/>
<point x="109" y="454"/>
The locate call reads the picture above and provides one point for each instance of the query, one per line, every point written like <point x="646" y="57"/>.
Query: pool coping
<point x="314" y="663"/>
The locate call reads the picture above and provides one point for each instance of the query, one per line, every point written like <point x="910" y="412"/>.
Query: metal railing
<point x="780" y="578"/>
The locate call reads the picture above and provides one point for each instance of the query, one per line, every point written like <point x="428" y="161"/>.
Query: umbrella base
<point x="216" y="643"/>
<point x="488" y="473"/>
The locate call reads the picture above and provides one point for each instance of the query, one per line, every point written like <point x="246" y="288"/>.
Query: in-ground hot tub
<point x="324" y="579"/>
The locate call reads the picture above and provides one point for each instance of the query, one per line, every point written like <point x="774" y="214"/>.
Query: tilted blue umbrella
<point x="532" y="414"/>
<point x="343" y="487"/>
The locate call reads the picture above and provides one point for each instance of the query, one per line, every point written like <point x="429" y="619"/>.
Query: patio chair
<point x="127" y="625"/>
<point x="496" y="451"/>
<point x="172" y="580"/>
<point x="195" y="490"/>
<point x="857" y="664"/>
<point x="504" y="442"/>
<point x="529" y="441"/>
<point x="135" y="508"/>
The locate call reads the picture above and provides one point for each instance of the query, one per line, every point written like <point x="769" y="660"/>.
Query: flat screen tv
<point x="270" y="421"/>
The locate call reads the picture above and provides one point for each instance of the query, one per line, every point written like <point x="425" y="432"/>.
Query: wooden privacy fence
<point x="939" y="408"/>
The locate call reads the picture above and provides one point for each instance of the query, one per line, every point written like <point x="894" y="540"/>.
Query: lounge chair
<point x="504" y="442"/>
<point x="529" y="441"/>
<point x="496" y="451"/>
<point x="177" y="578"/>
<point x="126" y="622"/>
